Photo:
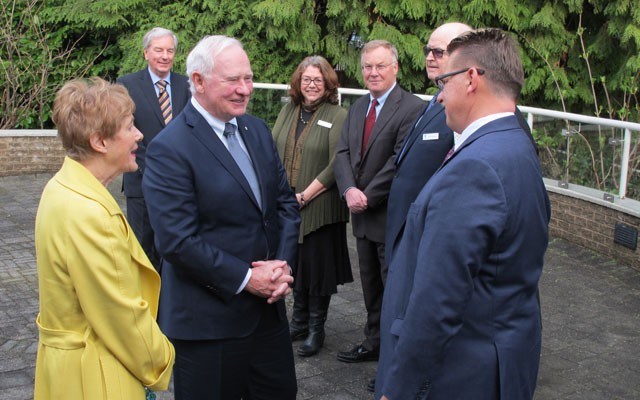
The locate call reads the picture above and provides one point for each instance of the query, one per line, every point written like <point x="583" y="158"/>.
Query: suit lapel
<point x="205" y="135"/>
<point x="361" y="114"/>
<point x="388" y="109"/>
<point x="419" y="129"/>
<point x="178" y="90"/>
<point x="150" y="94"/>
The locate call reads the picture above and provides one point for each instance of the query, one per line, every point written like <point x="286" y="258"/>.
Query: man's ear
<point x="97" y="142"/>
<point x="198" y="81"/>
<point x="474" y="80"/>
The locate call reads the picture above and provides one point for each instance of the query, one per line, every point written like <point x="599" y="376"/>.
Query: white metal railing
<point x="628" y="127"/>
<point x="530" y="112"/>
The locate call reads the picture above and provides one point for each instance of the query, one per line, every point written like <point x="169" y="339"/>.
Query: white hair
<point x="156" y="33"/>
<point x="202" y="58"/>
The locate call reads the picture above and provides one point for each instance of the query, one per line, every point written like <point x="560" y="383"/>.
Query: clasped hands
<point x="270" y="279"/>
<point x="356" y="200"/>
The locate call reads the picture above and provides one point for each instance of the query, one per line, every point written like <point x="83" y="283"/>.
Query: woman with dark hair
<point x="306" y="133"/>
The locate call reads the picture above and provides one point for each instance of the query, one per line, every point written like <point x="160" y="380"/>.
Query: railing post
<point x="624" y="168"/>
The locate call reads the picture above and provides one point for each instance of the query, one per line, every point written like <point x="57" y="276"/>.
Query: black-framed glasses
<point x="437" y="53"/>
<point x="317" y="81"/>
<point x="440" y="79"/>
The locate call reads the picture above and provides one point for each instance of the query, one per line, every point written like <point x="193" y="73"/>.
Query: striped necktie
<point x="165" y="101"/>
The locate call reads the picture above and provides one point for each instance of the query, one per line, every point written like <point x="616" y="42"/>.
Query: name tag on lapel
<point x="325" y="124"/>
<point x="430" y="136"/>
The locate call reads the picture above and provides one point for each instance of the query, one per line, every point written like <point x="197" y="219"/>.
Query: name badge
<point x="430" y="136"/>
<point x="325" y="123"/>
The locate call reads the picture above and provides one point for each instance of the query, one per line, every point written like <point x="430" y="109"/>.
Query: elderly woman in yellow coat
<point x="98" y="290"/>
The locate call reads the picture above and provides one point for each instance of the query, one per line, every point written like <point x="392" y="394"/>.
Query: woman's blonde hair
<point x="86" y="106"/>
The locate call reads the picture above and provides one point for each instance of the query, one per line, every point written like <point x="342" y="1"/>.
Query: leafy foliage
<point x="581" y="56"/>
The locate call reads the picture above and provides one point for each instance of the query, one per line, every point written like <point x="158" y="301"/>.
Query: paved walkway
<point x="590" y="305"/>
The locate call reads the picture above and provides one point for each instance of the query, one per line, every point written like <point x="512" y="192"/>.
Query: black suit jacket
<point x="148" y="117"/>
<point x="420" y="156"/>
<point x="209" y="227"/>
<point x="372" y="173"/>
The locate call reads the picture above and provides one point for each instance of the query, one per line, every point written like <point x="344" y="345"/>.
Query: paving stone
<point x="590" y="312"/>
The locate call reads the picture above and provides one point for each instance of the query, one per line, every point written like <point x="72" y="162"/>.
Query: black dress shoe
<point x="358" y="354"/>
<point x="371" y="385"/>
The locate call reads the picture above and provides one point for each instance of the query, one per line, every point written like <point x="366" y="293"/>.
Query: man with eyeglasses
<point x="426" y="146"/>
<point x="371" y="137"/>
<point x="460" y="317"/>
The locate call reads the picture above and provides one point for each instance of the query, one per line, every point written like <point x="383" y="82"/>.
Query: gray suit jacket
<point x="372" y="172"/>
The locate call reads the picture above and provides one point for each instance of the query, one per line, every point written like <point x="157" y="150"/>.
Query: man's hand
<point x="270" y="279"/>
<point x="356" y="200"/>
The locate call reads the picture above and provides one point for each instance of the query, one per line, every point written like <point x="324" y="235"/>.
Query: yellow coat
<point x="98" y="297"/>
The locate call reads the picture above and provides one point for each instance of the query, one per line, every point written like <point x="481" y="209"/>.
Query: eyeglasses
<point x="440" y="79"/>
<point x="379" y="67"/>
<point x="317" y="81"/>
<point x="437" y="53"/>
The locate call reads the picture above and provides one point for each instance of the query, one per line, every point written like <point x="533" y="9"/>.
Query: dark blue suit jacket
<point x="209" y="228"/>
<point x="148" y="117"/>
<point x="421" y="155"/>
<point x="460" y="317"/>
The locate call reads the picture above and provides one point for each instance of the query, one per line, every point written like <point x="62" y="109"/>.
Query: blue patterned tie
<point x="243" y="160"/>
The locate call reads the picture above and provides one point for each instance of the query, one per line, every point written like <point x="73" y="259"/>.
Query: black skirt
<point x="323" y="261"/>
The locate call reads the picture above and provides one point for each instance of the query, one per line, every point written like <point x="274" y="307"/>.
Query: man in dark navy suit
<point x="425" y="147"/>
<point x="226" y="224"/>
<point x="146" y="88"/>
<point x="460" y="315"/>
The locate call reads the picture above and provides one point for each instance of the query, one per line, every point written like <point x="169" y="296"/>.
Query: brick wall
<point x="585" y="221"/>
<point x="28" y="153"/>
<point x="591" y="225"/>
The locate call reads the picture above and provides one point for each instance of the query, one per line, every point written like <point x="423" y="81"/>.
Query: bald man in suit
<point x="460" y="316"/>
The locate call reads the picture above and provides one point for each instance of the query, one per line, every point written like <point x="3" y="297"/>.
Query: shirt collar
<point x="155" y="78"/>
<point x="460" y="138"/>
<point x="382" y="98"/>
<point x="216" y="124"/>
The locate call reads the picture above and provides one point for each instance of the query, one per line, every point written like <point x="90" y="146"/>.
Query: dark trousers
<point x="373" y="275"/>
<point x="257" y="367"/>
<point x="139" y="220"/>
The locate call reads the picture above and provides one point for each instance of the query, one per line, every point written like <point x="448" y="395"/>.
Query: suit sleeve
<point x="342" y="163"/>
<point x="108" y="289"/>
<point x="378" y="188"/>
<point x="466" y="216"/>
